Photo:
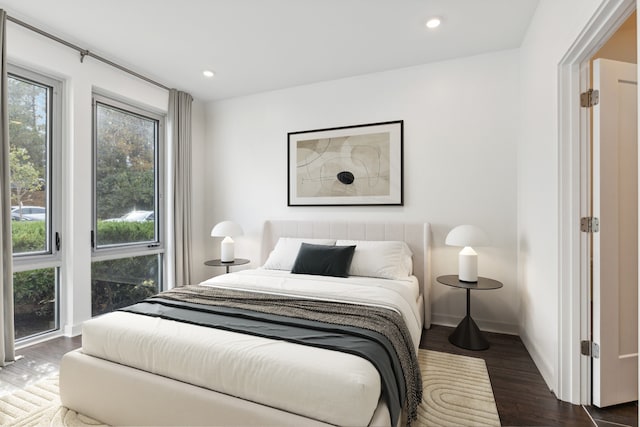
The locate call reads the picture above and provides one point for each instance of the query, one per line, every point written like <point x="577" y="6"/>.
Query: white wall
<point x="460" y="129"/>
<point x="555" y="26"/>
<point x="32" y="51"/>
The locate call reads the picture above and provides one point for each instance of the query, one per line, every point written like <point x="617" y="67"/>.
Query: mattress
<point x="329" y="386"/>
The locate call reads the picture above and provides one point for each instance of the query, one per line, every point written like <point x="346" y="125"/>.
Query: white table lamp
<point x="467" y="236"/>
<point x="226" y="229"/>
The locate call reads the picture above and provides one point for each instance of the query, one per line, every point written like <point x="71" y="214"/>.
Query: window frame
<point x="23" y="262"/>
<point x="51" y="257"/>
<point x="128" y="250"/>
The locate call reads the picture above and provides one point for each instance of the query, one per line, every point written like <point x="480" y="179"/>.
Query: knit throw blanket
<point x="378" y="319"/>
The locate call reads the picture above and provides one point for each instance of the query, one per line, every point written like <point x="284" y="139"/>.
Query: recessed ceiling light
<point x="208" y="73"/>
<point x="433" y="23"/>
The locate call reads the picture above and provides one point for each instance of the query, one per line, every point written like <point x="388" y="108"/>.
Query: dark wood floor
<point x="521" y="394"/>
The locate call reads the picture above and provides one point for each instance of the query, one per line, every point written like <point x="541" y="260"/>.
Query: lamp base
<point x="226" y="250"/>
<point x="468" y="265"/>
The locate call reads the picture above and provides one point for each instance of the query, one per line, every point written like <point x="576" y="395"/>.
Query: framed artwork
<point x="346" y="166"/>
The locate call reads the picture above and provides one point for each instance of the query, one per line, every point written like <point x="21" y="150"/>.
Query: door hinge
<point x="589" y="224"/>
<point x="589" y="98"/>
<point x="93" y="240"/>
<point x="590" y="348"/>
<point x="58" y="242"/>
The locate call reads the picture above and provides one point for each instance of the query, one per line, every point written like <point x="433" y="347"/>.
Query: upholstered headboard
<point x="416" y="235"/>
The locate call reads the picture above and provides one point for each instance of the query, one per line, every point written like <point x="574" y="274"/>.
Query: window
<point x="127" y="237"/>
<point x="120" y="282"/>
<point x="34" y="158"/>
<point x="35" y="295"/>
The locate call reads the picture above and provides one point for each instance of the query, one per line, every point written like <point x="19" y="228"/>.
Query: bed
<point x="140" y="369"/>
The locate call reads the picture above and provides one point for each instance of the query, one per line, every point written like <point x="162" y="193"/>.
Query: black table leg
<point x="467" y="334"/>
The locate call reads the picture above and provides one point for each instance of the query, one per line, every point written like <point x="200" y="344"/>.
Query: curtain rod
<point x="83" y="52"/>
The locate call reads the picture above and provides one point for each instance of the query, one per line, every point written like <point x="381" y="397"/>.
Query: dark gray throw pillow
<point x="323" y="260"/>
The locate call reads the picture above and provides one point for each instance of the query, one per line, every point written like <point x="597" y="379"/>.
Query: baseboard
<point x="545" y="369"/>
<point x="72" y="330"/>
<point x="485" y="325"/>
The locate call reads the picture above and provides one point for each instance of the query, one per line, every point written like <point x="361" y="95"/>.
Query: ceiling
<point x="261" y="45"/>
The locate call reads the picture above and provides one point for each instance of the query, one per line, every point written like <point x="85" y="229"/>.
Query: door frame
<point x="573" y="375"/>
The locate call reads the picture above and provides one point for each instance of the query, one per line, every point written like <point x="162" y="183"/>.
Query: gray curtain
<point x="179" y="125"/>
<point x="7" y="353"/>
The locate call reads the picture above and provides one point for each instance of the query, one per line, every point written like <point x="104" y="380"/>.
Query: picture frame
<point x="359" y="165"/>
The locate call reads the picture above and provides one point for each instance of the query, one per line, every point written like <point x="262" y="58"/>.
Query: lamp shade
<point x="226" y="228"/>
<point x="467" y="235"/>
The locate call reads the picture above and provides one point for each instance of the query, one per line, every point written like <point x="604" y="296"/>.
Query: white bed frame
<point x="120" y="395"/>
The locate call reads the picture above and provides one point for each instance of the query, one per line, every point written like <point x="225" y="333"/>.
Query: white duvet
<point x="327" y="385"/>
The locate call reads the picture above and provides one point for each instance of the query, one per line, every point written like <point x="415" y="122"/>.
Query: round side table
<point x="220" y="263"/>
<point x="467" y="334"/>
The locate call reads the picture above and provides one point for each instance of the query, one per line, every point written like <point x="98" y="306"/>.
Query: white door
<point x="615" y="246"/>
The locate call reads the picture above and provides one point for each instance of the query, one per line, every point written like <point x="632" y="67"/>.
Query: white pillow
<point x="286" y="250"/>
<point x="384" y="259"/>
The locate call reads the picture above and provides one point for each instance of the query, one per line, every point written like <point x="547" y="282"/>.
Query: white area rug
<point x="456" y="392"/>
<point x="39" y="405"/>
